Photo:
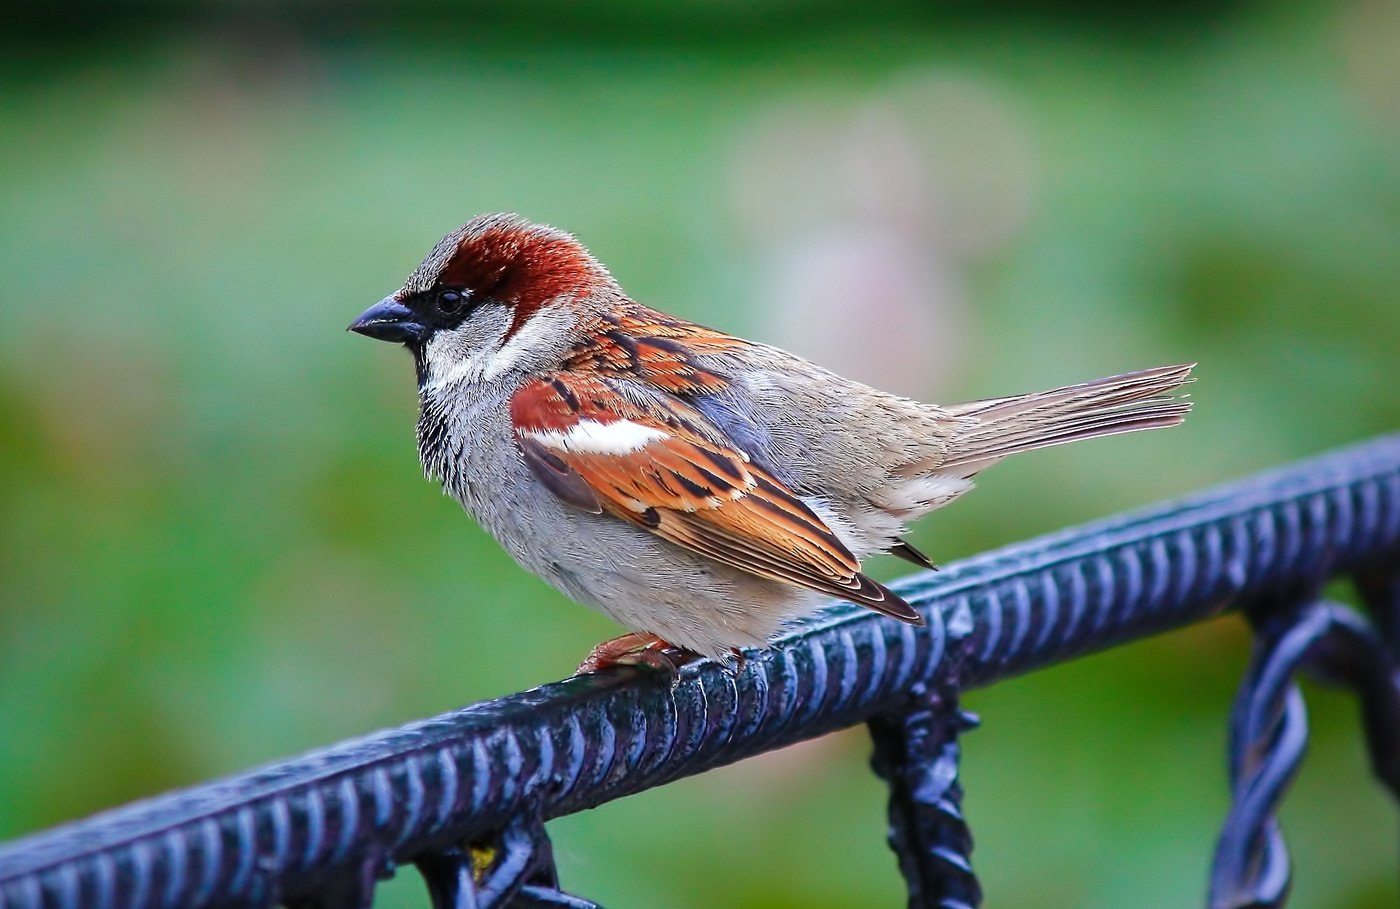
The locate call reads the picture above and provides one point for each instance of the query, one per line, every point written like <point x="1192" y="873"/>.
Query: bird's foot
<point x="637" y="649"/>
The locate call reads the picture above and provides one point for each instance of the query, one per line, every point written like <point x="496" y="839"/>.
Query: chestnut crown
<point x="505" y="260"/>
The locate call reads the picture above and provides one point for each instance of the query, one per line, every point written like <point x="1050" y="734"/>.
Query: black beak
<point x="389" y="320"/>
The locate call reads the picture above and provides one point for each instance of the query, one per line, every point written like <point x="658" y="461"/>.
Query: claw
<point x="637" y="649"/>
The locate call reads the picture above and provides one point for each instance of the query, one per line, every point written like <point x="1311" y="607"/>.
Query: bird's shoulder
<point x="639" y="344"/>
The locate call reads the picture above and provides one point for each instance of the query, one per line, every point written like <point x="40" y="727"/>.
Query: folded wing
<point x="656" y="462"/>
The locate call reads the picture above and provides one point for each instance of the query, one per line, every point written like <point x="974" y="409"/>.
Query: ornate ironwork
<point x="464" y="796"/>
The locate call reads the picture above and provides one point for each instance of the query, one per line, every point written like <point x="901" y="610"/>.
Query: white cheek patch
<point x="592" y="437"/>
<point x="453" y="358"/>
<point x="541" y="330"/>
<point x="475" y="352"/>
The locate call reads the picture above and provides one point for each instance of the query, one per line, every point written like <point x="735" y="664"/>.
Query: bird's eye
<point x="450" y="302"/>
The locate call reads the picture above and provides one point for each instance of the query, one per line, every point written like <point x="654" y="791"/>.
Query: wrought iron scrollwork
<point x="464" y="796"/>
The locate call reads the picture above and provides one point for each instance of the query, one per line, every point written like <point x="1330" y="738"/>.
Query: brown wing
<point x="659" y="464"/>
<point x="664" y="351"/>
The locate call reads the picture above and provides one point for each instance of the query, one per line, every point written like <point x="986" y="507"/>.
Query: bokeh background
<point x="216" y="548"/>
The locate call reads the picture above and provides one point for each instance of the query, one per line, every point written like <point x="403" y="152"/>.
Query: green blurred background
<point x="216" y="548"/>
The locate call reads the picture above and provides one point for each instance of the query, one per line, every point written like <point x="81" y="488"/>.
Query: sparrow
<point x="700" y="489"/>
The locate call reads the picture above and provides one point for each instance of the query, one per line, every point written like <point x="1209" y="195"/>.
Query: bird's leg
<point x="637" y="648"/>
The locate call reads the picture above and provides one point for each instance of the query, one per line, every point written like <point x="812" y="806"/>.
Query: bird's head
<point x="496" y="296"/>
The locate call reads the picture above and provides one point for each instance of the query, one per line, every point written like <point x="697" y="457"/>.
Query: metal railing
<point x="465" y="796"/>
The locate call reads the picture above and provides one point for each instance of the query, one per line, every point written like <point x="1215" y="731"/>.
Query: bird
<point x="702" y="490"/>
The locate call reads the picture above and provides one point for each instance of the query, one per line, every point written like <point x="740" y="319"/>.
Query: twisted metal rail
<point x="465" y="796"/>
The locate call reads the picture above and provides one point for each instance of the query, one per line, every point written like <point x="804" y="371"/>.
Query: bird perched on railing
<point x="698" y="488"/>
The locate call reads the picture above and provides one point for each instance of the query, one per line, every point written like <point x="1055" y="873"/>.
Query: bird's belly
<point x="632" y="576"/>
<point x="628" y="573"/>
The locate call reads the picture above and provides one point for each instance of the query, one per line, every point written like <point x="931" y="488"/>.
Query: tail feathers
<point x="1131" y="402"/>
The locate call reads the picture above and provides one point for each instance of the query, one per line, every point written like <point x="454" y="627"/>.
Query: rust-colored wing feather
<point x="659" y="464"/>
<point x="661" y="350"/>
